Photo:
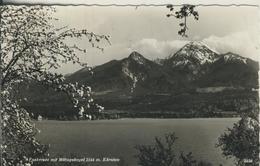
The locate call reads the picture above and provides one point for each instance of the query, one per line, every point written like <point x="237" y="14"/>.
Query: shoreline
<point x="122" y="119"/>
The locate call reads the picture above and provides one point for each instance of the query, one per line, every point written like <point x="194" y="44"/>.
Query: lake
<point x="117" y="138"/>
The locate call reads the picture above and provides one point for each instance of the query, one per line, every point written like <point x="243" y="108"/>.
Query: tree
<point x="242" y="140"/>
<point x="30" y="47"/>
<point x="184" y="12"/>
<point x="158" y="154"/>
<point x="187" y="160"/>
<point x="163" y="153"/>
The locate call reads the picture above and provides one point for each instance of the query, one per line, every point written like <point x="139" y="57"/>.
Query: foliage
<point x="184" y="12"/>
<point x="187" y="159"/>
<point x="163" y="153"/>
<point x="158" y="154"/>
<point x="18" y="134"/>
<point x="31" y="47"/>
<point x="242" y="140"/>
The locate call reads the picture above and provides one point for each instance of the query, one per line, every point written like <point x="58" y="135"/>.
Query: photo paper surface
<point x="129" y="84"/>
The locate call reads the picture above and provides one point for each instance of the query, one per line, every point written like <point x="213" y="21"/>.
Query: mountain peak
<point x="194" y="50"/>
<point x="135" y="54"/>
<point x="198" y="45"/>
<point x="137" y="57"/>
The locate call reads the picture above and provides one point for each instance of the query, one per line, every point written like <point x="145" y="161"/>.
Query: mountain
<point x="231" y="70"/>
<point x="193" y="79"/>
<point x="137" y="83"/>
<point x="194" y="65"/>
<point x="126" y="75"/>
<point x="190" y="62"/>
<point x="193" y="53"/>
<point x="201" y="66"/>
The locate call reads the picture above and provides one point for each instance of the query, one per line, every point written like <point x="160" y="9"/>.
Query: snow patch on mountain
<point x="193" y="56"/>
<point x="205" y="45"/>
<point x="184" y="62"/>
<point x="133" y="76"/>
<point x="195" y="50"/>
<point x="233" y="57"/>
<point x="200" y="53"/>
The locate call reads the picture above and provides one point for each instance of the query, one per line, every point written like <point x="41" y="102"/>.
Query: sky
<point x="148" y="31"/>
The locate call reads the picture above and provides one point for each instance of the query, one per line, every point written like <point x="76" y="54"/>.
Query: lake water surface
<point x="117" y="138"/>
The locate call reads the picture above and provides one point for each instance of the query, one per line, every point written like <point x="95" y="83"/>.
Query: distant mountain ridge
<point x="187" y="68"/>
<point x="195" y="81"/>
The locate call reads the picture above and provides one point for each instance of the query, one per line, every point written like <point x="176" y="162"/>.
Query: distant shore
<point x="120" y="117"/>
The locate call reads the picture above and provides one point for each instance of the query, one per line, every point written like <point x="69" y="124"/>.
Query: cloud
<point x="243" y="43"/>
<point x="153" y="48"/>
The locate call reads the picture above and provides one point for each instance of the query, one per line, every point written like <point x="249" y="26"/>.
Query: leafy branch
<point x="183" y="13"/>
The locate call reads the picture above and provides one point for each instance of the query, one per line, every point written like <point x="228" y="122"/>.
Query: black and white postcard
<point x="152" y="83"/>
